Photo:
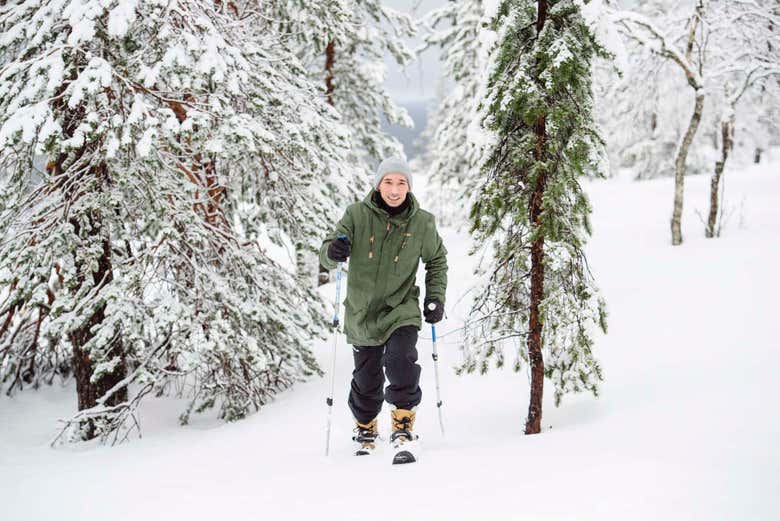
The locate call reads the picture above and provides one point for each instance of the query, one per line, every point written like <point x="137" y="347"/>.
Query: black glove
<point x="338" y="249"/>
<point x="433" y="315"/>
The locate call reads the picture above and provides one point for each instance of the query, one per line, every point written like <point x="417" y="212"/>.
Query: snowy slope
<point x="686" y="427"/>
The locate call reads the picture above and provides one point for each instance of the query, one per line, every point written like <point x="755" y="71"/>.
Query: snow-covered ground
<point x="687" y="426"/>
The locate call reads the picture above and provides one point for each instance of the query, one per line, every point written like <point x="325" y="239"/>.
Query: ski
<point x="365" y="451"/>
<point x="403" y="456"/>
<point x="405" y="447"/>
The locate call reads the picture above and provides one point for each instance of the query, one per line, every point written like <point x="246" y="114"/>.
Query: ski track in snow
<point x="683" y="429"/>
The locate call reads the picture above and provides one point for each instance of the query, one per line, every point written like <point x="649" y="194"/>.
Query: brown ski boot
<point x="365" y="436"/>
<point x="402" y="438"/>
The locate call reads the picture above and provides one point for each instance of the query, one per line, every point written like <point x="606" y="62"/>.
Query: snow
<point x="121" y="17"/>
<point x="176" y="55"/>
<point x="144" y="146"/>
<point x="26" y="121"/>
<point x="112" y="146"/>
<point x="211" y="62"/>
<point x="81" y="15"/>
<point x="56" y="71"/>
<point x="684" y="428"/>
<point x="95" y="76"/>
<point x="148" y="75"/>
<point x="137" y="111"/>
<point x="48" y="129"/>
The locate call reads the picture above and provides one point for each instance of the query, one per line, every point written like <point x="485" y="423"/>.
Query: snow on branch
<point x="642" y="30"/>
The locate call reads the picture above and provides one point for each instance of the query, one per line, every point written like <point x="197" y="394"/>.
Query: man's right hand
<point x="338" y="249"/>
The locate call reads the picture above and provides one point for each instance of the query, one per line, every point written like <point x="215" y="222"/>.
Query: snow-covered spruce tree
<point x="176" y="136"/>
<point x="355" y="73"/>
<point x="457" y="142"/>
<point x="531" y="209"/>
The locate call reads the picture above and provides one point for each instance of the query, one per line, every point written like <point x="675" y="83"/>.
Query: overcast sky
<point x="418" y="81"/>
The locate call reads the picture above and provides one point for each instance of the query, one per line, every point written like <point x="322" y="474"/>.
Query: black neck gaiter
<point x="398" y="210"/>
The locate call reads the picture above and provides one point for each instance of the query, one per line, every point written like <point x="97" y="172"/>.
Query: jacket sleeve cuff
<point x="326" y="261"/>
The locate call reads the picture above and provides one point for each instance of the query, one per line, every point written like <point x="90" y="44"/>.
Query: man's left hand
<point x="433" y="315"/>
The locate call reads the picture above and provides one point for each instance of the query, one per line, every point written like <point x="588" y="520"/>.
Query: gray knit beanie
<point x="393" y="165"/>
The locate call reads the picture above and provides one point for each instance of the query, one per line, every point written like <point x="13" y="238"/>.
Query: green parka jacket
<point x="384" y="257"/>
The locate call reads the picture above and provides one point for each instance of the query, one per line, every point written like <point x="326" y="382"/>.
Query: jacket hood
<point x="403" y="218"/>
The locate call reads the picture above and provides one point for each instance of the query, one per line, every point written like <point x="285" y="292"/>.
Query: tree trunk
<point x="726" y="144"/>
<point x="679" y="168"/>
<point x="330" y="56"/>
<point x="682" y="152"/>
<point x="533" y="423"/>
<point x="89" y="390"/>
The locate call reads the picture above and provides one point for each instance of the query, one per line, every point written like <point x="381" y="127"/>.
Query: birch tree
<point x="690" y="59"/>
<point x="747" y="56"/>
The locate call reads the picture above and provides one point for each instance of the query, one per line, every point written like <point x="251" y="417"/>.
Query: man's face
<point x="393" y="189"/>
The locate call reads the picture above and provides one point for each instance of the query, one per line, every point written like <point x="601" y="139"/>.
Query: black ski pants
<point x="398" y="357"/>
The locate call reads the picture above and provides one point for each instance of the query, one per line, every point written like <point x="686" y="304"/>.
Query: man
<point x="386" y="236"/>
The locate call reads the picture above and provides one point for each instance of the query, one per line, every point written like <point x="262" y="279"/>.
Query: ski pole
<point x="329" y="400"/>
<point x="435" y="356"/>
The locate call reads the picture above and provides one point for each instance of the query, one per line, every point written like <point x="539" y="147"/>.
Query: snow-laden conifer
<point x="179" y="140"/>
<point x="537" y="292"/>
<point x="343" y="45"/>
<point x="358" y="74"/>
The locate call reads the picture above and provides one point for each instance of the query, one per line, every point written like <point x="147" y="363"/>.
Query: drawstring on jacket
<point x="388" y="227"/>
<point x="404" y="237"/>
